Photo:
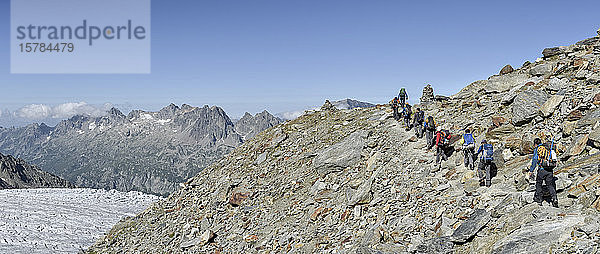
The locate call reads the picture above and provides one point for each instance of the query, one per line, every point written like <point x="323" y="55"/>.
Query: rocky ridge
<point x="151" y="152"/>
<point x="339" y="181"/>
<point x="249" y="126"/>
<point x="17" y="174"/>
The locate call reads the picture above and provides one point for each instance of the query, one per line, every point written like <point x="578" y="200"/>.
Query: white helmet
<point x="439" y="128"/>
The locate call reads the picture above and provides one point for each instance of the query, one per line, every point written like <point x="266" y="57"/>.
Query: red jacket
<point x="438" y="137"/>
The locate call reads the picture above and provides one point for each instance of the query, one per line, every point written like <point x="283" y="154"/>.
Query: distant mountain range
<point x="17" y="174"/>
<point x="145" y="151"/>
<point x="341" y="104"/>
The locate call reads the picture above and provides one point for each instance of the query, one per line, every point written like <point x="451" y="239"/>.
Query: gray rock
<point x="341" y="155"/>
<point x="549" y="52"/>
<point x="503" y="83"/>
<point x="594" y="138"/>
<point x="551" y="104"/>
<point x="436" y="245"/>
<point x="557" y="84"/>
<point x="506" y="69"/>
<point x="537" y="237"/>
<point x="542" y="69"/>
<point x="478" y="219"/>
<point x="527" y="106"/>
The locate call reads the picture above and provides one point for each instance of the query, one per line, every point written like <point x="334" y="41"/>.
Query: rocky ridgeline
<point x="151" y="152"/>
<point x="345" y="181"/>
<point x="17" y="174"/>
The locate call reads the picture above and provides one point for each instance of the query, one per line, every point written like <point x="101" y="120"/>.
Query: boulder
<point x="556" y="84"/>
<point x="509" y="97"/>
<point x="506" y="69"/>
<point x="503" y="83"/>
<point x="594" y="138"/>
<point x="537" y="236"/>
<point x="574" y="115"/>
<point x="498" y="121"/>
<point x="527" y="105"/>
<point x="542" y="69"/>
<point x="478" y="219"/>
<point x="550" y="52"/>
<point x="438" y="245"/>
<point x="596" y="99"/>
<point x="579" y="145"/>
<point x="339" y="156"/>
<point x="500" y="132"/>
<point x="589" y="183"/>
<point x="551" y="105"/>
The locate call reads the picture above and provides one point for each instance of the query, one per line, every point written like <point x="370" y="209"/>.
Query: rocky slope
<point x="150" y="152"/>
<point x="345" y="181"/>
<point x="17" y="174"/>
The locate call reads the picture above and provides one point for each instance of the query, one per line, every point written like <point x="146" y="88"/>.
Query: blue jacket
<point x="481" y="147"/>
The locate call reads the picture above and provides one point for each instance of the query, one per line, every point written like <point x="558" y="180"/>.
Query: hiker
<point x="407" y="113"/>
<point x="430" y="127"/>
<point x="395" y="105"/>
<point x="485" y="163"/>
<point x="402" y="96"/>
<point x="418" y="122"/>
<point x="442" y="141"/>
<point x="468" y="146"/>
<point x="544" y="157"/>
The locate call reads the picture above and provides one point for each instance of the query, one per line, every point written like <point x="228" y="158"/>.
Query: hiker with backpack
<point x="468" y="146"/>
<point x="544" y="157"/>
<point x="403" y="96"/>
<point x="418" y="122"/>
<point x="395" y="105"/>
<point x="442" y="142"/>
<point x="486" y="163"/>
<point x="407" y="113"/>
<point x="430" y="128"/>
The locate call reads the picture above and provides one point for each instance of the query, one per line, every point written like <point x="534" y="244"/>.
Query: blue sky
<point x="288" y="55"/>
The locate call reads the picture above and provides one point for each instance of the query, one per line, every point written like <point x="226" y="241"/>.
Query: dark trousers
<point x="429" y="137"/>
<point x="547" y="176"/>
<point x="396" y="115"/>
<point x="407" y="122"/>
<point x="441" y="154"/>
<point x="469" y="160"/>
<point x="484" y="170"/>
<point x="418" y="129"/>
<point x="402" y="100"/>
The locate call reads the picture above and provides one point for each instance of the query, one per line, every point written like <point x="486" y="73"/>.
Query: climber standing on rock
<point x="468" y="147"/>
<point x="403" y="96"/>
<point x="545" y="158"/>
<point x="418" y="122"/>
<point x="395" y="105"/>
<point x="442" y="141"/>
<point x="485" y="163"/>
<point x="407" y="113"/>
<point x="430" y="127"/>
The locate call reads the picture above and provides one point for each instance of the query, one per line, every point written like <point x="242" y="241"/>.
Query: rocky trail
<point x="354" y="181"/>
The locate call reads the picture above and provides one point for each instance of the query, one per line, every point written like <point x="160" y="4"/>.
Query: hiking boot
<point x="555" y="203"/>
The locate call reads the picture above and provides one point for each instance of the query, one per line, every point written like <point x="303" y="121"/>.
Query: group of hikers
<point x="544" y="154"/>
